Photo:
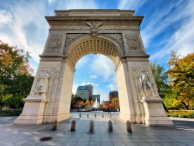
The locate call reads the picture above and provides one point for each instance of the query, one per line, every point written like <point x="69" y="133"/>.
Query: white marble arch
<point x="114" y="34"/>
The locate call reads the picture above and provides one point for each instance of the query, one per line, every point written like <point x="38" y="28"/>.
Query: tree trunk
<point x="186" y="106"/>
<point x="165" y="108"/>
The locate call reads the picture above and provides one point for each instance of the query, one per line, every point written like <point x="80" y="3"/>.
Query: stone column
<point x="61" y="108"/>
<point x="127" y="110"/>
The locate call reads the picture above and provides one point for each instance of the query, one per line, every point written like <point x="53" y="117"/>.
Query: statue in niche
<point x="41" y="86"/>
<point x="145" y="82"/>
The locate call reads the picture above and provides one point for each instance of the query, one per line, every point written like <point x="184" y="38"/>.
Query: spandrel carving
<point x="134" y="44"/>
<point x="55" y="44"/>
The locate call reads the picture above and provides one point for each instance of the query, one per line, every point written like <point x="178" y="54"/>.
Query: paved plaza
<point x="180" y="135"/>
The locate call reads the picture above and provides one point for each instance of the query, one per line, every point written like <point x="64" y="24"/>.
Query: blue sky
<point x="167" y="25"/>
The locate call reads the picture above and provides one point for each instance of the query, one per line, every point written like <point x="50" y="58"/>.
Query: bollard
<point x="110" y="127"/>
<point x="80" y="115"/>
<point x="110" y="115"/>
<point x="91" y="126"/>
<point x="73" y="125"/>
<point x="94" y="114"/>
<point x="55" y="125"/>
<point x="87" y="115"/>
<point x="103" y="115"/>
<point x="128" y="123"/>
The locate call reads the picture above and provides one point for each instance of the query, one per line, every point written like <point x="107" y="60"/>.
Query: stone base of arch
<point x="33" y="110"/>
<point x="154" y="112"/>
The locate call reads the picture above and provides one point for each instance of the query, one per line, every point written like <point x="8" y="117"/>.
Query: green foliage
<point x="181" y="74"/>
<point x="15" y="76"/>
<point x="10" y="112"/>
<point x="181" y="114"/>
<point x="161" y="79"/>
<point x="170" y="99"/>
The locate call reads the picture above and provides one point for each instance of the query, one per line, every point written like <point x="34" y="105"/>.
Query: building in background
<point x="85" y="92"/>
<point x="96" y="96"/>
<point x="112" y="94"/>
<point x="90" y="91"/>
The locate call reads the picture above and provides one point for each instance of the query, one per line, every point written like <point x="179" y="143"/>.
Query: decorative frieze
<point x="54" y="44"/>
<point x="104" y="22"/>
<point x="69" y="27"/>
<point x="113" y="27"/>
<point x="83" y="25"/>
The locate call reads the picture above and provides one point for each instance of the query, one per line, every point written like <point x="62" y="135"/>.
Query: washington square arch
<point x="76" y="33"/>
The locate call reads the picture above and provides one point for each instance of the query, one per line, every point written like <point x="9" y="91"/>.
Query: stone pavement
<point x="180" y="135"/>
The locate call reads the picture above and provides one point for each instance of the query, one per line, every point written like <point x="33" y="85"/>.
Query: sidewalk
<point x="180" y="135"/>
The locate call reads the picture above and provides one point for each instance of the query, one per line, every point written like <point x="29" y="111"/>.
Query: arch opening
<point x="98" y="71"/>
<point x="94" y="45"/>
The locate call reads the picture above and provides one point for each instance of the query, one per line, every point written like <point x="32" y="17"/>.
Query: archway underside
<point x="94" y="45"/>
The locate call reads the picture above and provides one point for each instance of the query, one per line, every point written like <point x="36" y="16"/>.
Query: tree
<point x="75" y="102"/>
<point x="87" y="102"/>
<point x="16" y="90"/>
<point x="81" y="104"/>
<point x="181" y="74"/>
<point x="161" y="80"/>
<point x="91" y="102"/>
<point x="106" y="105"/>
<point x="15" y="75"/>
<point x="13" y="61"/>
<point x="115" y="102"/>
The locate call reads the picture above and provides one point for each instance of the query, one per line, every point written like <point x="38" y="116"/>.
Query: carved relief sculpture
<point x="94" y="27"/>
<point x="55" y="44"/>
<point x="41" y="86"/>
<point x="134" y="44"/>
<point x="145" y="84"/>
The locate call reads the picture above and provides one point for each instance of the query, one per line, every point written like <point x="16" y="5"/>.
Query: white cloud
<point x="182" y="39"/>
<point x="74" y="89"/>
<point x="130" y="4"/>
<point x="156" y="23"/>
<point x="22" y="16"/>
<point x="103" y="94"/>
<point x="5" y="17"/>
<point x="5" y="39"/>
<point x="113" y="84"/>
<point x="89" y="83"/>
<point x="51" y="1"/>
<point x="82" y="62"/>
<point x="93" y="76"/>
<point x="80" y="4"/>
<point x="112" y="87"/>
<point x="102" y="66"/>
